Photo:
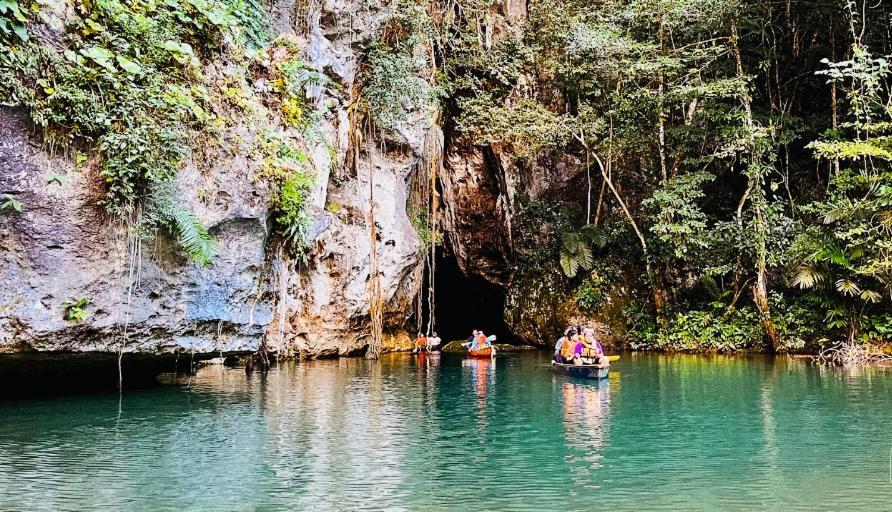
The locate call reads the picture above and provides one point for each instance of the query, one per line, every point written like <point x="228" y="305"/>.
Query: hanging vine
<point x="359" y="133"/>
<point x="423" y="206"/>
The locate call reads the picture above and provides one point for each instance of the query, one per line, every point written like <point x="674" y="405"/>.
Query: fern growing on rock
<point x="192" y="236"/>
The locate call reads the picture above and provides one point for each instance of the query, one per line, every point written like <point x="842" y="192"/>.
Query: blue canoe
<point x="583" y="371"/>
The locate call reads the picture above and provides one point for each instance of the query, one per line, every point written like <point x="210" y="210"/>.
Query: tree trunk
<point x="661" y="113"/>
<point x="760" y="287"/>
<point x="760" y="297"/>
<point x="659" y="293"/>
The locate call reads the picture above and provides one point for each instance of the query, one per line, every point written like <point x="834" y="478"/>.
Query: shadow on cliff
<point x="28" y="374"/>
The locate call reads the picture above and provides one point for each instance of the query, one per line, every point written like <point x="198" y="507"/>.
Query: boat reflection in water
<point x="586" y="407"/>
<point x="482" y="373"/>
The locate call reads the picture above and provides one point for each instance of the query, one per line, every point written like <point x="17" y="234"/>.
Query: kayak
<point x="485" y="352"/>
<point x="583" y="371"/>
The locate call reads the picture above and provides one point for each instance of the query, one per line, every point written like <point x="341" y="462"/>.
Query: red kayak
<point x="485" y="352"/>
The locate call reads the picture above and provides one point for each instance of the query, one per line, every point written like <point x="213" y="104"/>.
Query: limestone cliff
<point x="143" y="295"/>
<point x="146" y="297"/>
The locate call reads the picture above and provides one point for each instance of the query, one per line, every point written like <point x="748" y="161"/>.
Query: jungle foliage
<point x="742" y="152"/>
<point x="123" y="86"/>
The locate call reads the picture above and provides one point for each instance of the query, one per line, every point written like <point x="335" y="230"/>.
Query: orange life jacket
<point x="422" y="341"/>
<point x="567" y="348"/>
<point x="481" y="341"/>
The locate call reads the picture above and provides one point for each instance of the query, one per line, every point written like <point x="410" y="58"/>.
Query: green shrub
<point x="714" y="329"/>
<point x="392" y="89"/>
<point x="290" y="205"/>
<point x="284" y="167"/>
<point x="75" y="310"/>
<point x="591" y="293"/>
<point x="127" y="79"/>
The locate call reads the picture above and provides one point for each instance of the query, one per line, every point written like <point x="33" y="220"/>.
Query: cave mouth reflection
<point x="463" y="302"/>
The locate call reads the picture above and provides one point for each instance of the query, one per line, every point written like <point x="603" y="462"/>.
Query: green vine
<point x="128" y="80"/>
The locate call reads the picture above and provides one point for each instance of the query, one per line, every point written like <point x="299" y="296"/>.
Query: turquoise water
<point x="444" y="433"/>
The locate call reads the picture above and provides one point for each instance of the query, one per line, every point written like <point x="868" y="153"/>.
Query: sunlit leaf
<point x="847" y="287"/>
<point x="871" y="296"/>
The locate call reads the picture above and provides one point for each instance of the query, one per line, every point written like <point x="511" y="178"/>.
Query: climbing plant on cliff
<point x="126" y="79"/>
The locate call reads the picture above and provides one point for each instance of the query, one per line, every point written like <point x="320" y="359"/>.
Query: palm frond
<point x="870" y="296"/>
<point x="808" y="277"/>
<point x="847" y="287"/>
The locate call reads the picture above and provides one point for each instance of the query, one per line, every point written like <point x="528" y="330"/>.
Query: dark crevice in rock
<point x="467" y="302"/>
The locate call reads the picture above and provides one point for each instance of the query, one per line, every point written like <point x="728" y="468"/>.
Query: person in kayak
<point x="472" y="340"/>
<point x="420" y="343"/>
<point x="480" y="341"/>
<point x="557" y="350"/>
<point x="568" y="346"/>
<point x="593" y="351"/>
<point x="433" y="343"/>
<point x="559" y="346"/>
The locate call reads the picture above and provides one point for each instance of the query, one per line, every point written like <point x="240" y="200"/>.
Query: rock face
<point x="324" y="302"/>
<point x="61" y="247"/>
<point x="478" y="201"/>
<point x="146" y="297"/>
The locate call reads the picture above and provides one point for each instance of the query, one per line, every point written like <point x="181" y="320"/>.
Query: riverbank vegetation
<point x="737" y="159"/>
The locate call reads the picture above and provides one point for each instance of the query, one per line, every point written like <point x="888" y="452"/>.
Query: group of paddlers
<point x="478" y="340"/>
<point x="579" y="345"/>
<point x="426" y="343"/>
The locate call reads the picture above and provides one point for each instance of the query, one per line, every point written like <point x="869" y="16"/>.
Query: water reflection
<point x="482" y="375"/>
<point x="586" y="423"/>
<point x="415" y="432"/>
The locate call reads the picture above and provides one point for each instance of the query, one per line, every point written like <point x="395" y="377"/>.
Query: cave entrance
<point x="463" y="303"/>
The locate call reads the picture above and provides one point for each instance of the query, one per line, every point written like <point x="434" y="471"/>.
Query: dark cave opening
<point x="463" y="303"/>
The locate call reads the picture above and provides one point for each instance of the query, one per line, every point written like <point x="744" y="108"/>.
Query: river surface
<point x="445" y="433"/>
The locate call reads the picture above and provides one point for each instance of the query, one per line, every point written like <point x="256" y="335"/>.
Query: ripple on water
<point x="443" y="433"/>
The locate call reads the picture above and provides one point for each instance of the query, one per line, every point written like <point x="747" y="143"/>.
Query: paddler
<point x="480" y="341"/>
<point x="593" y="348"/>
<point x="420" y="343"/>
<point x="472" y="339"/>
